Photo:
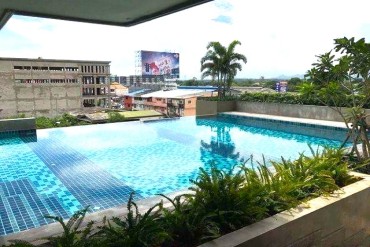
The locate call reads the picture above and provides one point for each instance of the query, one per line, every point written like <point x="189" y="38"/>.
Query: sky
<point x="277" y="37"/>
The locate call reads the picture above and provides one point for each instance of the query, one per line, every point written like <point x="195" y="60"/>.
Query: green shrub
<point x="44" y="122"/>
<point x="135" y="230"/>
<point x="65" y="120"/>
<point x="218" y="196"/>
<point x="115" y="117"/>
<point x="72" y="236"/>
<point x="226" y="98"/>
<point x="302" y="99"/>
<point x="186" y="225"/>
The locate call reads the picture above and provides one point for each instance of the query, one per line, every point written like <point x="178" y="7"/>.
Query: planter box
<point x="342" y="219"/>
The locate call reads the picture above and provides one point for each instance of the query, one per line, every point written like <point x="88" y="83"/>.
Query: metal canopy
<point x="110" y="12"/>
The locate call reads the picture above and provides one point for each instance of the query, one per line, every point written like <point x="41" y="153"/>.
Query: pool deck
<point x="290" y="119"/>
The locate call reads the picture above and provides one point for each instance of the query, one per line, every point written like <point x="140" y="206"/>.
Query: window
<point x="56" y="68"/>
<point x="189" y="101"/>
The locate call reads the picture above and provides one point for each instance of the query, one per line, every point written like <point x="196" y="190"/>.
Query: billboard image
<point x="160" y="63"/>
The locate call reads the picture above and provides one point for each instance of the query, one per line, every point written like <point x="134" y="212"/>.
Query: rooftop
<point x="117" y="12"/>
<point x="177" y="93"/>
<point x="50" y="60"/>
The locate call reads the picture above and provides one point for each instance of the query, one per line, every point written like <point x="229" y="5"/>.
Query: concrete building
<point x="48" y="87"/>
<point x="117" y="92"/>
<point x="134" y="101"/>
<point x="179" y="102"/>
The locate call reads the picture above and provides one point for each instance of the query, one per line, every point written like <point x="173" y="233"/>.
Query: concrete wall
<point x="341" y="220"/>
<point x="190" y="105"/>
<point x="290" y="110"/>
<point x="40" y="100"/>
<point x="205" y="107"/>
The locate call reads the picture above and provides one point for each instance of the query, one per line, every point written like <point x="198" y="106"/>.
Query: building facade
<point x="48" y="87"/>
<point x="117" y="92"/>
<point x="179" y="102"/>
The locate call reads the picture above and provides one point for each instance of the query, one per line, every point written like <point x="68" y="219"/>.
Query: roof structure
<point x="138" y="92"/>
<point x="177" y="93"/>
<point x="116" y="85"/>
<point x="40" y="59"/>
<point x="112" y="12"/>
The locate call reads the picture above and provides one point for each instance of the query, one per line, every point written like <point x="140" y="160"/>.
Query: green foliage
<point x="44" y="122"/>
<point x="135" y="230"/>
<point x="226" y="98"/>
<point x="306" y="97"/>
<point x="217" y="195"/>
<point x="186" y="225"/>
<point x="115" y="117"/>
<point x="73" y="235"/>
<point x="343" y="76"/>
<point x="65" y="120"/>
<point x="222" y="64"/>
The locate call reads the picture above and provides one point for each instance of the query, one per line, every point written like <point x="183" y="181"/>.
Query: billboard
<point x="281" y="87"/>
<point x="160" y="63"/>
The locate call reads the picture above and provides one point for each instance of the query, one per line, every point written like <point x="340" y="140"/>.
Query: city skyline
<point x="278" y="37"/>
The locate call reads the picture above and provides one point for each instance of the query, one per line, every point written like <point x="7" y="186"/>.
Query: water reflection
<point x="220" y="149"/>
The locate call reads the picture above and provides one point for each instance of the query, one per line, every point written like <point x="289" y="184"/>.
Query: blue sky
<point x="278" y="37"/>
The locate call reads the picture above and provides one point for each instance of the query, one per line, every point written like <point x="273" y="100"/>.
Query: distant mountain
<point x="280" y="77"/>
<point x="287" y="77"/>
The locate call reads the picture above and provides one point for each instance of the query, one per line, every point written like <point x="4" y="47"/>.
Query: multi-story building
<point x="179" y="102"/>
<point x="51" y="87"/>
<point x="134" y="101"/>
<point x="117" y="92"/>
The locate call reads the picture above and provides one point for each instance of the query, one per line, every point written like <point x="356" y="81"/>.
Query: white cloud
<point x="278" y="37"/>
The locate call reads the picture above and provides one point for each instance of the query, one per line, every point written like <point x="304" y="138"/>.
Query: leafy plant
<point x="65" y="120"/>
<point x="72" y="235"/>
<point x="185" y="224"/>
<point x="44" y="122"/>
<point x="346" y="74"/>
<point x="135" y="230"/>
<point x="222" y="63"/>
<point x="218" y="195"/>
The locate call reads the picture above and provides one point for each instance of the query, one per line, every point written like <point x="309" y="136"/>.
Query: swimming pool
<point x="62" y="170"/>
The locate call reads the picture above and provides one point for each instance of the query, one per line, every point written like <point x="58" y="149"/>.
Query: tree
<point x="343" y="79"/>
<point x="222" y="65"/>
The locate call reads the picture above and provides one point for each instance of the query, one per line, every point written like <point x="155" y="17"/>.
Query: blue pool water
<point x="62" y="170"/>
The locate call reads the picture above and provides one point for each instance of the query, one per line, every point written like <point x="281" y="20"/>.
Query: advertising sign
<point x="281" y="87"/>
<point x="160" y="63"/>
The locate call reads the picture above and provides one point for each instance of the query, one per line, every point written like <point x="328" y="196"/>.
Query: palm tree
<point x="222" y="63"/>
